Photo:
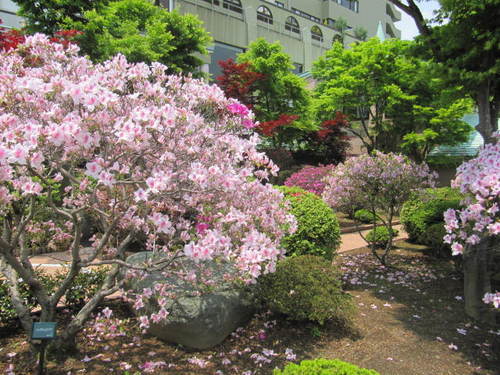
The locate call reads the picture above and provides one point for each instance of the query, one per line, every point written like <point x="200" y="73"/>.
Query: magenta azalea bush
<point x="310" y="178"/>
<point x="380" y="183"/>
<point x="139" y="152"/>
<point x="479" y="180"/>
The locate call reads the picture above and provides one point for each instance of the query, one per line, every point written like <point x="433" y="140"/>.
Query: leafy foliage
<point x="392" y="97"/>
<point x="48" y="16"/>
<point x="318" y="230"/>
<point x="278" y="97"/>
<point x="365" y="216"/>
<point x="425" y="209"/>
<point x="306" y="288"/>
<point x="310" y="178"/>
<point x="329" y="144"/>
<point x="239" y="81"/>
<point x="142" y="32"/>
<point x="323" y="367"/>
<point x="380" y="236"/>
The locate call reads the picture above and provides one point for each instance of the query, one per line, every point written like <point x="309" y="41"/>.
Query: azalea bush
<point x="310" y="178"/>
<point x="140" y="152"/>
<point x="473" y="231"/>
<point x="380" y="183"/>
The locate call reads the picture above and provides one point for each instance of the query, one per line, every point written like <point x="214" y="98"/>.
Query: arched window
<point x="234" y="5"/>
<point x="292" y="25"/>
<point x="316" y="33"/>
<point x="264" y="15"/>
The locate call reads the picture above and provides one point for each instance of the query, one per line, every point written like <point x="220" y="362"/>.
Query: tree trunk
<point x="487" y="112"/>
<point x="477" y="280"/>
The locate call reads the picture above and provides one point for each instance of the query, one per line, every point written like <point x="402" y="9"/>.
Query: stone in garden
<point x="198" y="319"/>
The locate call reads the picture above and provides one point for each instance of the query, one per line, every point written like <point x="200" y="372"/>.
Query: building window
<point x="298" y="68"/>
<point x="292" y="25"/>
<point x="316" y="33"/>
<point x="214" y="2"/>
<point x="234" y="5"/>
<point x="264" y="15"/>
<point x="350" y="4"/>
<point x="306" y="15"/>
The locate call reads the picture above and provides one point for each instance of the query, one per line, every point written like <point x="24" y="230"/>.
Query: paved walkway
<point x="350" y="241"/>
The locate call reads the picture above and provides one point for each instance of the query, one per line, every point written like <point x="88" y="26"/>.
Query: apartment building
<point x="8" y="16"/>
<point x="305" y="28"/>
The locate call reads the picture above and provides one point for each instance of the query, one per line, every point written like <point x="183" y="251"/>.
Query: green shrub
<point x="7" y="311"/>
<point x="425" y="209"/>
<point x="306" y="288"/>
<point x="365" y="216"/>
<point x="380" y="236"/>
<point x="434" y="239"/>
<point x="84" y="286"/>
<point x="318" y="230"/>
<point x="324" y="367"/>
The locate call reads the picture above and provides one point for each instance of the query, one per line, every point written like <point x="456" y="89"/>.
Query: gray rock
<point x="198" y="318"/>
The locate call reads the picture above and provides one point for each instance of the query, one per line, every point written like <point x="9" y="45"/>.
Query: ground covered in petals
<point x="410" y="321"/>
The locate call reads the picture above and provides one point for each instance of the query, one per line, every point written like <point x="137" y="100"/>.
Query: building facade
<point x="305" y="28"/>
<point x="8" y="17"/>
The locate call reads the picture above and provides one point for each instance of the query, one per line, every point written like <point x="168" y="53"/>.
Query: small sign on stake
<point x="42" y="332"/>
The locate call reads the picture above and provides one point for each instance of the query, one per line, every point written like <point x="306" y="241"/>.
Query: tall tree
<point x="278" y="97"/>
<point x="467" y="43"/>
<point x="46" y="16"/>
<point x="393" y="96"/>
<point x="143" y="32"/>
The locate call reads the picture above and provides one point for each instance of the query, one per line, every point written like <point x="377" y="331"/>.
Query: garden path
<point x="51" y="262"/>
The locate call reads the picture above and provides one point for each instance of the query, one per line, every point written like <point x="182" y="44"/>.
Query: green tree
<point x="467" y="43"/>
<point x="341" y="27"/>
<point x="143" y="32"/>
<point x="361" y="33"/>
<point x="279" y="91"/>
<point x="47" y="16"/>
<point x="397" y="101"/>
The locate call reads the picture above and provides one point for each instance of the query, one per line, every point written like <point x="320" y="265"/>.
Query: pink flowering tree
<point x="310" y="178"/>
<point x="474" y="230"/>
<point x="142" y="154"/>
<point x="380" y="183"/>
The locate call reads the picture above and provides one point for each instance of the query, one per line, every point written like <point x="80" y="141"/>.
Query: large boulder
<point x="199" y="317"/>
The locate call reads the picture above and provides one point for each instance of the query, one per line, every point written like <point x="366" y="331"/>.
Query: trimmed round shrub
<point x="324" y="367"/>
<point x="310" y="178"/>
<point x="318" y="230"/>
<point x="306" y="288"/>
<point x="380" y="236"/>
<point x="427" y="208"/>
<point x="365" y="216"/>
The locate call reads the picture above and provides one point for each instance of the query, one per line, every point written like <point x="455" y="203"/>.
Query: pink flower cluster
<point x="479" y="179"/>
<point x="310" y="178"/>
<point x="493" y="298"/>
<point x="140" y="151"/>
<point x="382" y="180"/>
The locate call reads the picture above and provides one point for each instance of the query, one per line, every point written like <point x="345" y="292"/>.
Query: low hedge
<point x="365" y="216"/>
<point x="306" y="288"/>
<point x="426" y="209"/>
<point x="318" y="230"/>
<point x="323" y="367"/>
